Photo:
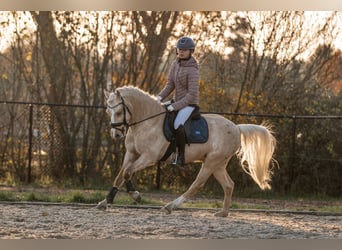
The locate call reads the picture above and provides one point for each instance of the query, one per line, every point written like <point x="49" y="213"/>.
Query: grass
<point x="72" y="196"/>
<point x="93" y="197"/>
<point x="332" y="209"/>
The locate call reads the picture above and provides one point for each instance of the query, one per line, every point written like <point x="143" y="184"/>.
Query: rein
<point x="116" y="125"/>
<point x="148" y="118"/>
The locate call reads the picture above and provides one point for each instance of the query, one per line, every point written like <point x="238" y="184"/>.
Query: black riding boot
<point x="180" y="143"/>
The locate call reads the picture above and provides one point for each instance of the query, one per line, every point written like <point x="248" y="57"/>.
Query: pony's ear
<point x="117" y="92"/>
<point x="106" y="93"/>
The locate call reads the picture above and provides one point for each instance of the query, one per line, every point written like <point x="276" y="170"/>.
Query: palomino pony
<point x="138" y="116"/>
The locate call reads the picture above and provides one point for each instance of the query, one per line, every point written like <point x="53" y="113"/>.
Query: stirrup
<point x="178" y="161"/>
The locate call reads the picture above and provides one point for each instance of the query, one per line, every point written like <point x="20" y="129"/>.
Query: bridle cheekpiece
<point x="117" y="125"/>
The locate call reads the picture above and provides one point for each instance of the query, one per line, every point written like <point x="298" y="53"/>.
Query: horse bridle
<point x="117" y="125"/>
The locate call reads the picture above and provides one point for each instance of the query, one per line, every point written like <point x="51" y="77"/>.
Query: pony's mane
<point x="143" y="104"/>
<point x="132" y="90"/>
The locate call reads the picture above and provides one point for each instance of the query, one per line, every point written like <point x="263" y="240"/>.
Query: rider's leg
<point x="182" y="116"/>
<point x="180" y="143"/>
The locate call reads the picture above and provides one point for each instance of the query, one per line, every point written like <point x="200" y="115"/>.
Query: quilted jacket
<point x="184" y="79"/>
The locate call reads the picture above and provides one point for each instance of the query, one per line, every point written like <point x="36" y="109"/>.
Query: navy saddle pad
<point x="196" y="129"/>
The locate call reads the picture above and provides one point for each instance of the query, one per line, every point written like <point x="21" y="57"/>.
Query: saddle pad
<point x="196" y="130"/>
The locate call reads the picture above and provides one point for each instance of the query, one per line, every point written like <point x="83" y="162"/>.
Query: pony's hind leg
<point x="200" y="181"/>
<point x="227" y="184"/>
<point x="216" y="166"/>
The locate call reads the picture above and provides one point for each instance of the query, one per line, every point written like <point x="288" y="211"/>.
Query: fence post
<point x="292" y="152"/>
<point x="29" y="170"/>
<point x="158" y="176"/>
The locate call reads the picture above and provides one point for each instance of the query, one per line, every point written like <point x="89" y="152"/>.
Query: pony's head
<point x="119" y="113"/>
<point x="124" y="102"/>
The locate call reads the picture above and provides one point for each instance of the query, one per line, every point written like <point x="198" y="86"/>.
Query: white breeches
<point x="182" y="116"/>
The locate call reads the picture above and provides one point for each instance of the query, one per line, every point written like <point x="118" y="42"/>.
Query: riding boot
<point x="180" y="142"/>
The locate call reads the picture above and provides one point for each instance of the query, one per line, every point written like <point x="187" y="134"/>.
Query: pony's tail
<point x="256" y="151"/>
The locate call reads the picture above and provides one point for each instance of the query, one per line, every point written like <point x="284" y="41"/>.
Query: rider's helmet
<point x="186" y="43"/>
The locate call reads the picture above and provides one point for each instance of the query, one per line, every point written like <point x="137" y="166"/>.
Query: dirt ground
<point x="75" y="221"/>
<point x="38" y="221"/>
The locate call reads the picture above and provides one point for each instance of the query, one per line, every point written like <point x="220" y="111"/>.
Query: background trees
<point x="251" y="62"/>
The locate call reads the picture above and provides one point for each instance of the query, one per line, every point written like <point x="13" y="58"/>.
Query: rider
<point x="184" y="79"/>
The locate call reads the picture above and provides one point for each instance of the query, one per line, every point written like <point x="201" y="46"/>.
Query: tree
<point x="153" y="30"/>
<point x="274" y="59"/>
<point x="62" y="149"/>
<point x="330" y="75"/>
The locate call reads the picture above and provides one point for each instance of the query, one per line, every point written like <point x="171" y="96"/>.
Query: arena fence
<point x="308" y="149"/>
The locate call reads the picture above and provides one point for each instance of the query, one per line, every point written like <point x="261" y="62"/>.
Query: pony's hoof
<point x="221" y="214"/>
<point x="135" y="195"/>
<point x="167" y="209"/>
<point x="102" y="205"/>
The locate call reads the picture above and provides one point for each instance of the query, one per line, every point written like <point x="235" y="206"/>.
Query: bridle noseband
<point x="117" y="125"/>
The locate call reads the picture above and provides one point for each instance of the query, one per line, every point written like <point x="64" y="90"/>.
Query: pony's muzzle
<point x="117" y="133"/>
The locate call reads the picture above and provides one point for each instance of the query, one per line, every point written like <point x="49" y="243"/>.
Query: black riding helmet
<point x="186" y="43"/>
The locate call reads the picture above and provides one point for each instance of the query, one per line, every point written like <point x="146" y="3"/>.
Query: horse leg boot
<point x="180" y="142"/>
<point x="132" y="192"/>
<point x="102" y="205"/>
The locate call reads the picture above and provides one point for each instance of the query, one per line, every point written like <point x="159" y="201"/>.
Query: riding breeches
<point x="182" y="116"/>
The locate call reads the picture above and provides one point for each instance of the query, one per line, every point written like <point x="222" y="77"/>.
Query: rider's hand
<point x="170" y="108"/>
<point x="159" y="99"/>
<point x="167" y="103"/>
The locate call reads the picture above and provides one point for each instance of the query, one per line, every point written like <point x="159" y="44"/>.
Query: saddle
<point x="196" y="127"/>
<point x="196" y="130"/>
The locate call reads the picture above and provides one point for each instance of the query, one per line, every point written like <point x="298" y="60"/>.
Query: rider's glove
<point x="167" y="103"/>
<point x="170" y="108"/>
<point x="159" y="99"/>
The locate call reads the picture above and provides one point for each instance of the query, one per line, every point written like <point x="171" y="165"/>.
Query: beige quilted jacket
<point x="184" y="79"/>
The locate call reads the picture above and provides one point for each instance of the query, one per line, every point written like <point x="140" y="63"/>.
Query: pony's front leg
<point x="113" y="191"/>
<point x="128" y="169"/>
<point x="141" y="162"/>
<point x="102" y="205"/>
<point x="132" y="192"/>
<point x="119" y="181"/>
